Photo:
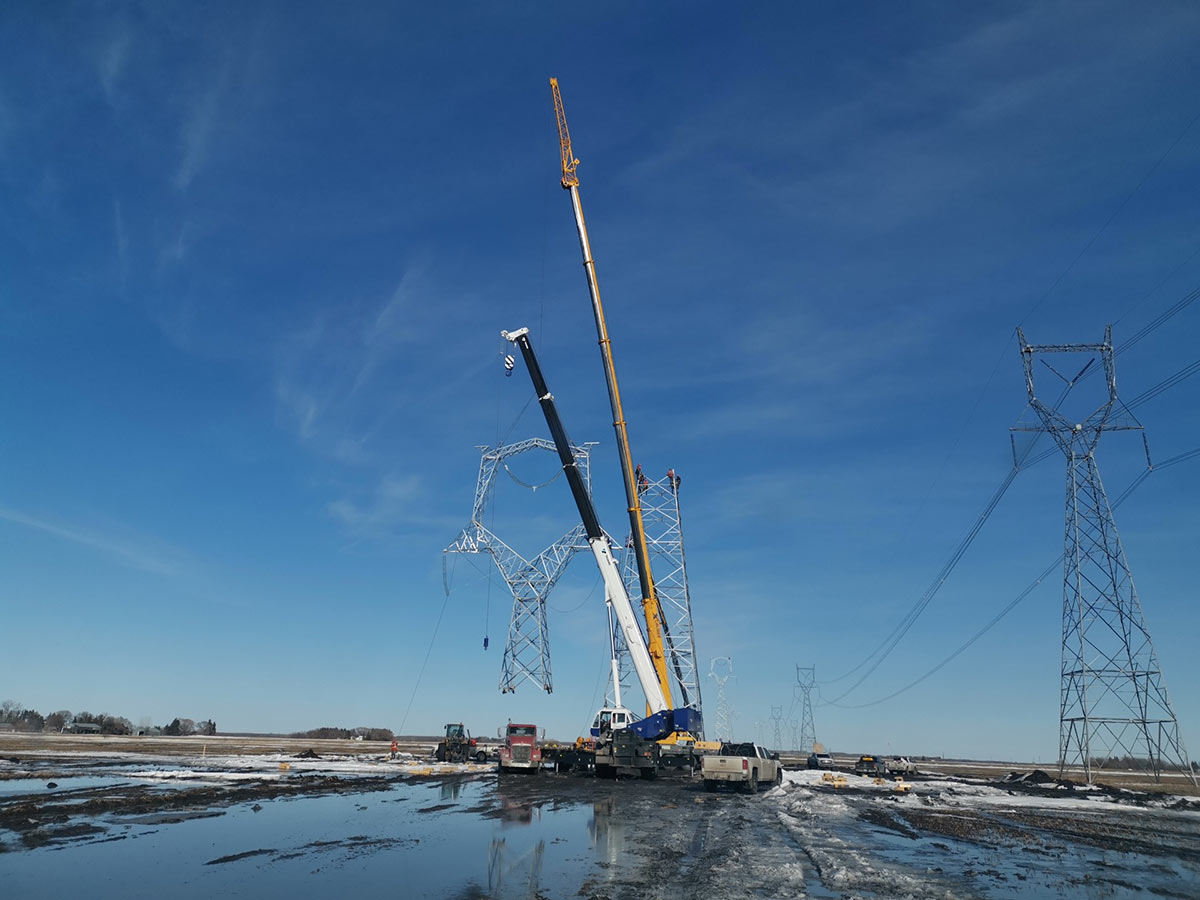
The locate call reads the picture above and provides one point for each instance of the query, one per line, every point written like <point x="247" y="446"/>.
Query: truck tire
<point x="752" y="784"/>
<point x="481" y="757"/>
<point x="440" y="753"/>
<point x="779" y="775"/>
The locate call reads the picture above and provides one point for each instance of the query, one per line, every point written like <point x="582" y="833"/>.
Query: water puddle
<point x="463" y="838"/>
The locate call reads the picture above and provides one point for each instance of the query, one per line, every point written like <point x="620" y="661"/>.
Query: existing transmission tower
<point x="805" y="680"/>
<point x="1114" y="704"/>
<point x="527" y="653"/>
<point x="776" y="720"/>
<point x="720" y="669"/>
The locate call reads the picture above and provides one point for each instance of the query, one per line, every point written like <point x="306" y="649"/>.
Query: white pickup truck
<point x="744" y="765"/>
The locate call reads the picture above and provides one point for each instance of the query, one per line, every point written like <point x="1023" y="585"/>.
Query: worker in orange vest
<point x="395" y="748"/>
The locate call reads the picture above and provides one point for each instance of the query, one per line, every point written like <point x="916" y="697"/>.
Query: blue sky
<point x="254" y="263"/>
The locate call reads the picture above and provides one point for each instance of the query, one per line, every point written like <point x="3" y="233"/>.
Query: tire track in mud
<point x="715" y="845"/>
<point x="836" y="839"/>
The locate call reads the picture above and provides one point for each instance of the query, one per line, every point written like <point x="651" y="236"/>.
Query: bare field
<point x="221" y="745"/>
<point x="420" y="746"/>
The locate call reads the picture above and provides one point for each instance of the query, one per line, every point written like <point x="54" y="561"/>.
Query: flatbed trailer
<point x="627" y="755"/>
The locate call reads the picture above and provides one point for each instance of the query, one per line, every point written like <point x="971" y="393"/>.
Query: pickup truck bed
<point x="744" y="765"/>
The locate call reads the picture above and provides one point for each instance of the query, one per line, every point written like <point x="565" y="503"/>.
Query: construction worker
<point x="395" y="748"/>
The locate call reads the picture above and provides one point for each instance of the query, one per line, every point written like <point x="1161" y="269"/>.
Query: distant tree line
<point x="328" y="733"/>
<point x="31" y="721"/>
<point x="187" y="726"/>
<point x="1135" y="763"/>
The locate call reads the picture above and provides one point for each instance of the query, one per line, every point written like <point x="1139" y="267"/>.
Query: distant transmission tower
<point x="776" y="719"/>
<point x="805" y="680"/>
<point x="527" y="653"/>
<point x="721" y="670"/>
<point x="1114" y="704"/>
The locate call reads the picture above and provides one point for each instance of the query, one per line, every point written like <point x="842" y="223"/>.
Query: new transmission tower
<point x="662" y="521"/>
<point x="805" y="680"/>
<point x="720" y="669"/>
<point x="1114" y="705"/>
<point x="527" y="653"/>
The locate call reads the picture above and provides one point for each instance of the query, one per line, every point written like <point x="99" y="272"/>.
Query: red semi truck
<point x="521" y="750"/>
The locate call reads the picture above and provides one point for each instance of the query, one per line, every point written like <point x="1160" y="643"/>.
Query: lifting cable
<point x="428" y="651"/>
<point x="1045" y="573"/>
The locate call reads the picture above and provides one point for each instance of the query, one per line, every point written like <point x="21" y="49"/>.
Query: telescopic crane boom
<point x="662" y="720"/>
<point x="650" y="606"/>
<point x="609" y="571"/>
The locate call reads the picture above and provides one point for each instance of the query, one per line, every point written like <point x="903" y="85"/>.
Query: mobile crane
<point x="635" y="748"/>
<point x="655" y="624"/>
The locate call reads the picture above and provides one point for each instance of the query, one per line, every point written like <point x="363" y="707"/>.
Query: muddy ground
<point x="471" y="833"/>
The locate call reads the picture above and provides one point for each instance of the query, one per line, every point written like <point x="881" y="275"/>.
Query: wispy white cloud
<point x="198" y="129"/>
<point x="960" y="119"/>
<point x="128" y="553"/>
<point x="327" y="371"/>
<point x="175" y="251"/>
<point x="111" y="63"/>
<point x="394" y="497"/>
<point x="395" y="506"/>
<point x="393" y="326"/>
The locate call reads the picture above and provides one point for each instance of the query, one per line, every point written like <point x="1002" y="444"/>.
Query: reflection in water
<point x="516" y="807"/>
<point x="524" y="873"/>
<point x="533" y="835"/>
<point x="607" y="832"/>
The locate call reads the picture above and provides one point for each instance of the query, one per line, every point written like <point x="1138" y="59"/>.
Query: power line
<point x="1124" y="495"/>
<point x="1114" y="214"/>
<point x="889" y="643"/>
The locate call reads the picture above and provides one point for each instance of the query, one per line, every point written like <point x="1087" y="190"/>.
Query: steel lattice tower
<point x="1114" y="704"/>
<point x="805" y="680"/>
<point x="527" y="652"/>
<point x="776" y="719"/>
<point x="720" y="670"/>
<point x="664" y="542"/>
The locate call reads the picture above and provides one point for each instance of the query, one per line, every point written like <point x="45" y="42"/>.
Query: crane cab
<point x="611" y="718"/>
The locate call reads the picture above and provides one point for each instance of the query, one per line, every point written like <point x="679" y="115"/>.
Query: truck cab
<point x="614" y="718"/>
<point x="521" y="750"/>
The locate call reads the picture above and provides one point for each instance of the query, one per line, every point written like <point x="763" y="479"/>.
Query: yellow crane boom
<point x="650" y="607"/>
